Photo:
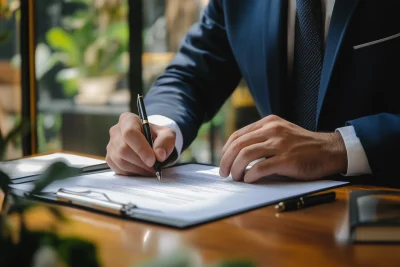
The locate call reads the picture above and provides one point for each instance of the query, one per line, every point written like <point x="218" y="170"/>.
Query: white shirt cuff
<point x="167" y="122"/>
<point x="357" y="161"/>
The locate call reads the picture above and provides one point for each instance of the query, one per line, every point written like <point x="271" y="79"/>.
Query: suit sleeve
<point x="200" y="78"/>
<point x="380" y="137"/>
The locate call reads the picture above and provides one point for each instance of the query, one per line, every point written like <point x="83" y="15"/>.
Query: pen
<point x="305" y="201"/>
<point x="147" y="131"/>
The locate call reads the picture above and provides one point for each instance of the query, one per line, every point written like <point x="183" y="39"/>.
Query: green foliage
<point x="94" y="40"/>
<point x="61" y="40"/>
<point x="7" y="10"/>
<point x="38" y="248"/>
<point x="57" y="171"/>
<point x="46" y="248"/>
<point x="78" y="253"/>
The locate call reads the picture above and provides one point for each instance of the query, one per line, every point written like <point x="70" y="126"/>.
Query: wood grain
<point x="314" y="236"/>
<point x="308" y="237"/>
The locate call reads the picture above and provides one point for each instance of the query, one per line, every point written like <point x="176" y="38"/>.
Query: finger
<point x="164" y="142"/>
<point x="129" y="168"/>
<point x="250" y="128"/>
<point x="263" y="168"/>
<point x="248" y="155"/>
<point x="127" y="154"/>
<point x="114" y="167"/>
<point x="119" y="148"/>
<point x="236" y="146"/>
<point x="131" y="132"/>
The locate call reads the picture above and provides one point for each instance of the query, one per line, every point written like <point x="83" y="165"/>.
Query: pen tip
<point x="158" y="175"/>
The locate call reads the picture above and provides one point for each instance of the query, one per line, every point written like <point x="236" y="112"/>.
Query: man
<point x="327" y="70"/>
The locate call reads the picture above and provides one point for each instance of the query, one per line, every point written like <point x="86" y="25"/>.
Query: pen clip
<point x="83" y="198"/>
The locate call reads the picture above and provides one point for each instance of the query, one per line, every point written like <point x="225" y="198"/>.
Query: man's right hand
<point x="129" y="153"/>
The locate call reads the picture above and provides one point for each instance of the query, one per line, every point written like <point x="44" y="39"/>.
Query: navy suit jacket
<point x="248" y="38"/>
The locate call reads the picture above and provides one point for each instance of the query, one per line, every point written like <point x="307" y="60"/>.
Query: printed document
<point x="191" y="193"/>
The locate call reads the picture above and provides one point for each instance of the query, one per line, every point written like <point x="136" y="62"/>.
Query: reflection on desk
<point x="305" y="237"/>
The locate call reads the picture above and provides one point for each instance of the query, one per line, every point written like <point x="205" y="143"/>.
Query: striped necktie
<point x="308" y="58"/>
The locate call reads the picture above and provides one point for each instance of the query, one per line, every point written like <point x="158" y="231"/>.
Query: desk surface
<point x="308" y="237"/>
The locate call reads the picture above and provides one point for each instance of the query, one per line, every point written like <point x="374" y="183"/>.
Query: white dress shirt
<point x="357" y="162"/>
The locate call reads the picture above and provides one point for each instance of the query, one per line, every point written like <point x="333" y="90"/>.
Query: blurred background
<point x="90" y="58"/>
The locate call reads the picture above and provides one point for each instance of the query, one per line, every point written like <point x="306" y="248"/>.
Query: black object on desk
<point x="374" y="216"/>
<point x="305" y="201"/>
<point x="147" y="131"/>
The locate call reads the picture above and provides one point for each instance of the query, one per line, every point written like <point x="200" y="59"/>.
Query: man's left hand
<point x="288" y="149"/>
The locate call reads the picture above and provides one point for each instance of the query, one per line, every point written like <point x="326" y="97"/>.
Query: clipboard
<point x="129" y="211"/>
<point x="93" y="198"/>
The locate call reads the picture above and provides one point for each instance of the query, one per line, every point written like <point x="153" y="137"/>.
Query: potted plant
<point x="93" y="46"/>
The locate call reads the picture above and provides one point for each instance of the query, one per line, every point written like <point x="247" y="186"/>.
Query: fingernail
<point x="161" y="153"/>
<point x="149" y="162"/>
<point x="221" y="173"/>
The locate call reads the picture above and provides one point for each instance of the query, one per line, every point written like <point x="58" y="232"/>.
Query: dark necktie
<point x="308" y="57"/>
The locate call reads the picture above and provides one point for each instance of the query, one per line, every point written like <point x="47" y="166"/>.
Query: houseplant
<point x="93" y="47"/>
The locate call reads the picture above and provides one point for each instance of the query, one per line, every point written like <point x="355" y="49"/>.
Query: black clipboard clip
<point x="83" y="199"/>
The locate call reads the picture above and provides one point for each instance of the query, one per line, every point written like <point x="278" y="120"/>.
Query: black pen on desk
<point x="305" y="201"/>
<point x="147" y="131"/>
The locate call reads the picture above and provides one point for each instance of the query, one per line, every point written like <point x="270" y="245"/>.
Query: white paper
<point x="191" y="192"/>
<point x="36" y="165"/>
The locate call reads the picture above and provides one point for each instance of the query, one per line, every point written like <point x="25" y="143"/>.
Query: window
<point x="10" y="73"/>
<point x="82" y="62"/>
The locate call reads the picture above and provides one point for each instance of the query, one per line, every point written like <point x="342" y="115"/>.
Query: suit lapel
<point x="276" y="54"/>
<point x="342" y="14"/>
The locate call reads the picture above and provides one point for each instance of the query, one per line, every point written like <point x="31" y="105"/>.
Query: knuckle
<point x="140" y="150"/>
<point x="112" y="130"/>
<point x="272" y="117"/>
<point x="236" y="145"/>
<point x="108" y="148"/>
<point x="129" y="133"/>
<point x="276" y="128"/>
<point x="123" y="151"/>
<point x="120" y="163"/>
<point x="281" y="143"/>
<point x="108" y="159"/>
<point x="245" y="153"/>
<point x="169" y="134"/>
<point x="123" y="116"/>
<point x="236" y="134"/>
<point x="257" y="169"/>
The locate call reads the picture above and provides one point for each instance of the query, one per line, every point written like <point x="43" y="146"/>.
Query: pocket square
<point x="376" y="41"/>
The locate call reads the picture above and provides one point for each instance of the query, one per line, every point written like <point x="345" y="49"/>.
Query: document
<point x="36" y="165"/>
<point x="189" y="193"/>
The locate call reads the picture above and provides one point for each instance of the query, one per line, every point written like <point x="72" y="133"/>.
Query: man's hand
<point x="128" y="151"/>
<point x="288" y="149"/>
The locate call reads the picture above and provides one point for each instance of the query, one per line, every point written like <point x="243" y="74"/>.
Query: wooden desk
<point x="307" y="237"/>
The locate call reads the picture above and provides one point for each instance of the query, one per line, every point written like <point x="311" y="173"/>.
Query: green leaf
<point x="45" y="60"/>
<point x="78" y="253"/>
<point x="118" y="32"/>
<point x="56" y="171"/>
<point x="61" y="40"/>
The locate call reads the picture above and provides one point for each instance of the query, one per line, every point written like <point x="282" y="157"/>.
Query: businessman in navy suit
<point x="323" y="74"/>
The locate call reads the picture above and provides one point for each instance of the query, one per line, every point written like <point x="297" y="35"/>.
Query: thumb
<point x="164" y="142"/>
